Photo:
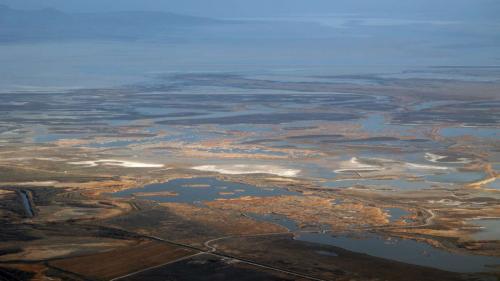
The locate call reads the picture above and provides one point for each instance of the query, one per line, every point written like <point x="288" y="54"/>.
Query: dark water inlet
<point x="407" y="251"/>
<point x="28" y="208"/>
<point x="402" y="250"/>
<point x="195" y="190"/>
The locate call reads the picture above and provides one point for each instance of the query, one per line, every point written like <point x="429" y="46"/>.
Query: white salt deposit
<point x="112" y="162"/>
<point x="241" y="169"/>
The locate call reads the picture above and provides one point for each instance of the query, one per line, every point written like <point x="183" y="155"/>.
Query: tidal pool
<point x="395" y="214"/>
<point x="118" y="143"/>
<point x="196" y="190"/>
<point x="43" y="136"/>
<point x="483" y="132"/>
<point x="403" y="250"/>
<point x="408" y="251"/>
<point x="251" y="151"/>
<point x="456" y="177"/>
<point x="397" y="183"/>
<point x="490" y="229"/>
<point x="494" y="184"/>
<point x="377" y="123"/>
<point x="26" y="204"/>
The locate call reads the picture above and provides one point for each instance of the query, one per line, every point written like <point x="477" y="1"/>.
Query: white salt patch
<point x="425" y="167"/>
<point x="241" y="169"/>
<point x="431" y="157"/>
<point x="112" y="162"/>
<point x="85" y="163"/>
<point x="354" y="165"/>
<point x="446" y="202"/>
<point x="380" y="164"/>
<point x="49" y="159"/>
<point x="35" y="183"/>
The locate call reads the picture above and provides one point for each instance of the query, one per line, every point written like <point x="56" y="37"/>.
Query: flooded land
<point x="233" y="176"/>
<point x="227" y="140"/>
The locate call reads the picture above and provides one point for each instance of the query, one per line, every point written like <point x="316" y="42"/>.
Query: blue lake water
<point x="408" y="251"/>
<point x="471" y="131"/>
<point x="494" y="185"/>
<point x="121" y="143"/>
<point x="247" y="151"/>
<point x="45" y="138"/>
<point x="490" y="229"/>
<point x="376" y="123"/>
<point x="26" y="204"/>
<point x="397" y="184"/>
<point x="195" y="190"/>
<point x="403" y="250"/>
<point x="456" y="177"/>
<point x="396" y="213"/>
<point x="42" y="135"/>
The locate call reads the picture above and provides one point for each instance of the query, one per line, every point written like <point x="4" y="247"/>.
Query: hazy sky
<point x="477" y="9"/>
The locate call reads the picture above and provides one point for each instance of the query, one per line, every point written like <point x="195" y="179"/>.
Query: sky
<point x="457" y="9"/>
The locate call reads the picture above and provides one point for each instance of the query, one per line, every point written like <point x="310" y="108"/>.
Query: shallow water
<point x="396" y="213"/>
<point x="408" y="251"/>
<point x="45" y="138"/>
<point x="494" y="185"/>
<point x="42" y="135"/>
<point x="376" y="123"/>
<point x="195" y="190"/>
<point x="471" y="131"/>
<point x="26" y="204"/>
<point x="119" y="143"/>
<point x="397" y="184"/>
<point x="252" y="151"/>
<point x="403" y="250"/>
<point x="490" y="229"/>
<point x="456" y="177"/>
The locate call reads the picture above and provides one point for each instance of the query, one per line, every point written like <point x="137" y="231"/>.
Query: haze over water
<point x="337" y="37"/>
<point x="250" y="140"/>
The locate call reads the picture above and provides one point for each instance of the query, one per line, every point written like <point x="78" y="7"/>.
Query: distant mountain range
<point x="343" y="31"/>
<point x="54" y="25"/>
<point x="51" y="24"/>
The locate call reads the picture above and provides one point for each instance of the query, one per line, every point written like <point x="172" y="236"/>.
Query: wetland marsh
<point x="183" y="165"/>
<point x="178" y="147"/>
